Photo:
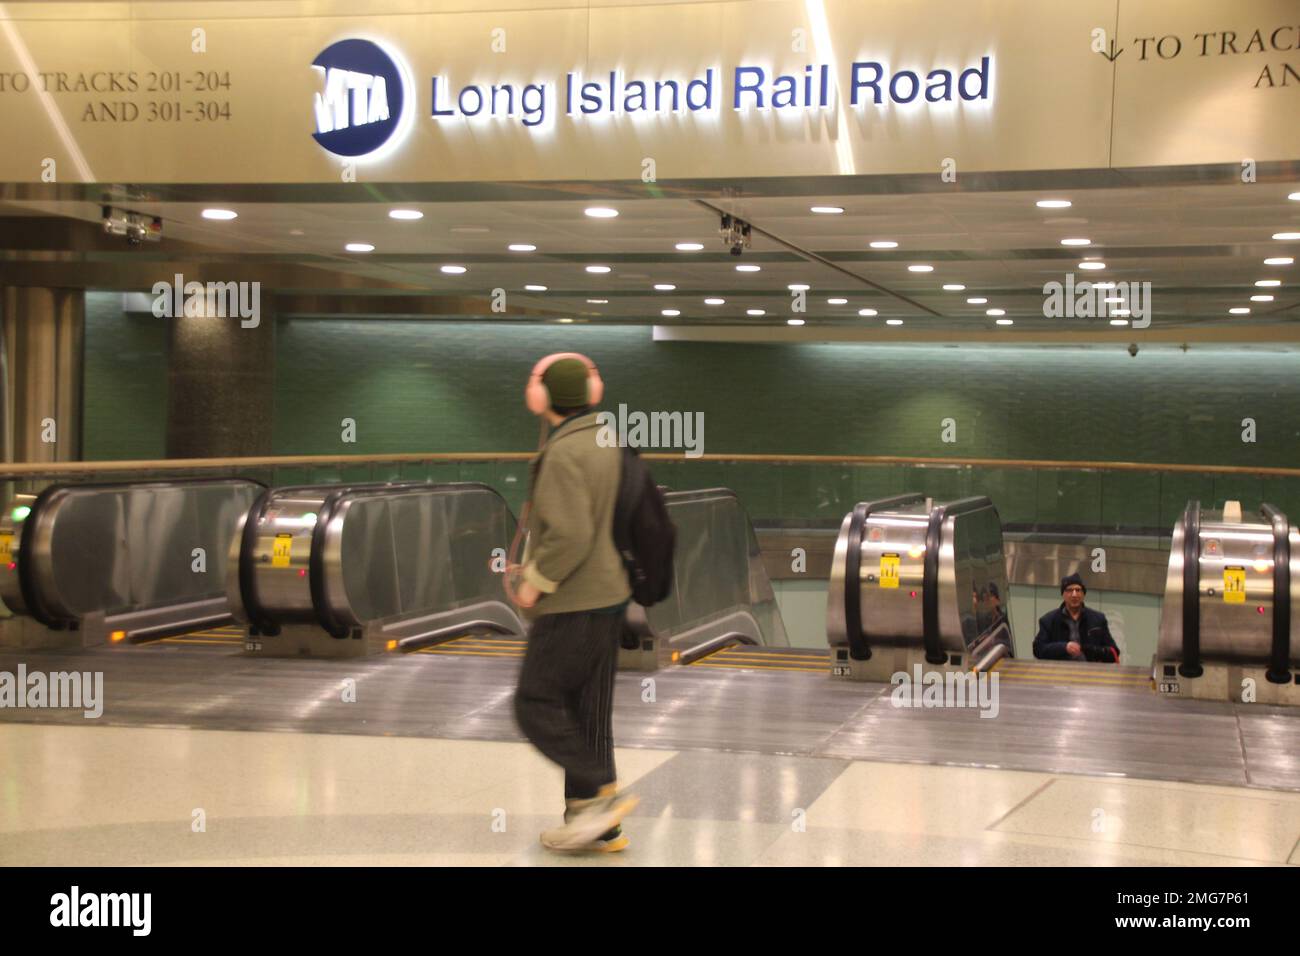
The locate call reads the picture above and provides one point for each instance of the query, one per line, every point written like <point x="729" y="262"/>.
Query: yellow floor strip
<point x="747" y="667"/>
<point x="439" y="650"/>
<point x="1027" y="679"/>
<point x="802" y="658"/>
<point x="181" y="640"/>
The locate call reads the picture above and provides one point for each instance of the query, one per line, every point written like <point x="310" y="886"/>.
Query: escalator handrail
<point x="934" y="652"/>
<point x="1279" y="670"/>
<point x="859" y="649"/>
<point x="1191" y="610"/>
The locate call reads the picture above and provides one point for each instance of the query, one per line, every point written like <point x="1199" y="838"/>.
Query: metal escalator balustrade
<point x="136" y="562"/>
<point x="914" y="581"/>
<point x="1228" y="626"/>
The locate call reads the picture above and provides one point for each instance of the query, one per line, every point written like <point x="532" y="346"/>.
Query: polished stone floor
<point x="100" y="794"/>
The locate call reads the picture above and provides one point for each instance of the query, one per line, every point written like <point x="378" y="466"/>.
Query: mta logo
<point x="361" y="105"/>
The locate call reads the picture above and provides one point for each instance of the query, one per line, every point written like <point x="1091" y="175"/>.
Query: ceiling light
<point x="1294" y="197"/>
<point x="715" y="301"/>
<point x="453" y="270"/>
<point x="1121" y="312"/>
<point x="1006" y="322"/>
<point x="794" y="321"/>
<point x="601" y="212"/>
<point x="954" y="287"/>
<point x="995" y="311"/>
<point x="406" y="214"/>
<point x="522" y="247"/>
<point x="920" y="268"/>
<point x="1076" y="242"/>
<point x="828" y="210"/>
<point x="1261" y="298"/>
<point x="867" y="312"/>
<point x="798" y="287"/>
<point x="564" y="320"/>
<point x="837" y="301"/>
<point x="749" y="268"/>
<point x="665" y="287"/>
<point x="670" y="312"/>
<point x="893" y="321"/>
<point x="689" y="246"/>
<point x="884" y="244"/>
<point x="755" y="312"/>
<point x="1268" y="283"/>
<point x="535" y="288"/>
<point x="1053" y="204"/>
<point x="1092" y="264"/>
<point x="219" y="214"/>
<point x="1239" y="311"/>
<point x="976" y="301"/>
<point x="599" y="301"/>
<point x="359" y="247"/>
<point x="1103" y="285"/>
<point x="1116" y="299"/>
<point x="1286" y="236"/>
<point x="597" y="270"/>
<point x="1119" y="321"/>
<point x="1279" y="261"/>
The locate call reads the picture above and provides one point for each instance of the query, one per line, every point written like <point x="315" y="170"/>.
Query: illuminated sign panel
<point x="360" y="108"/>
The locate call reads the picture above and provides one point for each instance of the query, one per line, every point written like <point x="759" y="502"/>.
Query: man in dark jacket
<point x="1075" y="632"/>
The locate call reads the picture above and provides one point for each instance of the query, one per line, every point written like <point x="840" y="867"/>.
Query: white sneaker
<point x="589" y="821"/>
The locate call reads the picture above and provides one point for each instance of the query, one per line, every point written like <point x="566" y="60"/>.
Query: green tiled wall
<point x="124" y="411"/>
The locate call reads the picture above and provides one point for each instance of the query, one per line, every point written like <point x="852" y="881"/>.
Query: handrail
<point x="1279" y="670"/>
<point x="1191" y="665"/>
<point x="934" y="652"/>
<point x="17" y="470"/>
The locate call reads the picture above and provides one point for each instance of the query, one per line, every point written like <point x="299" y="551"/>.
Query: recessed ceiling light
<point x="893" y="321"/>
<point x="920" y="268"/>
<point x="1053" y="204"/>
<point x="601" y="212"/>
<point x="1286" y="236"/>
<point x="749" y="268"/>
<point x="837" y="301"/>
<point x="359" y="247"/>
<point x="599" y="301"/>
<point x="453" y="270"/>
<point x="665" y="287"/>
<point x="535" y="288"/>
<point x="1119" y="321"/>
<point x="670" y="312"/>
<point x="296" y="232"/>
<point x="755" y="312"/>
<point x="794" y="321"/>
<point x="1261" y="298"/>
<point x="1121" y="312"/>
<point x="1239" y="311"/>
<point x="522" y="247"/>
<point x="219" y="214"/>
<point x="564" y="320"/>
<point x="1076" y="242"/>
<point x="1279" y="261"/>
<point x="715" y="301"/>
<point x="828" y="210"/>
<point x="1092" y="264"/>
<point x="1103" y="285"/>
<point x="884" y="244"/>
<point x="1294" y="197"/>
<point x="798" y="287"/>
<point x="406" y="214"/>
<point x="867" y="312"/>
<point x="954" y="287"/>
<point x="597" y="270"/>
<point x="689" y="246"/>
<point x="1006" y="322"/>
<point x="1267" y="283"/>
<point x="976" y="301"/>
<point x="1116" y="300"/>
<point x="995" y="311"/>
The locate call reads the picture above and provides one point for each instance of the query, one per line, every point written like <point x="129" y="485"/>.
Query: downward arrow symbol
<point x="1113" y="52"/>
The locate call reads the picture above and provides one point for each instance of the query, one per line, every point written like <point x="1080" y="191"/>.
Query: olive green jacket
<point x="571" y="557"/>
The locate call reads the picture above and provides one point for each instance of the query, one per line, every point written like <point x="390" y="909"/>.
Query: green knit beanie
<point x="566" y="380"/>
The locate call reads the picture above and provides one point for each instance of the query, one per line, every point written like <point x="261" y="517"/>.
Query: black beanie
<point x="1073" y="579"/>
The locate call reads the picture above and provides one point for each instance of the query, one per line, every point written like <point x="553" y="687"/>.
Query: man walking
<point x="574" y="590"/>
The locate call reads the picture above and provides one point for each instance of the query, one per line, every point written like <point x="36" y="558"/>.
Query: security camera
<point x="735" y="234"/>
<point x="135" y="227"/>
<point x="1133" y="350"/>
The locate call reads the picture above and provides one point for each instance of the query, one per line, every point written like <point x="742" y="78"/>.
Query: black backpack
<point x="643" y="532"/>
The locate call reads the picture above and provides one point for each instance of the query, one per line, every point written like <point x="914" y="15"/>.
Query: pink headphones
<point x="538" y="398"/>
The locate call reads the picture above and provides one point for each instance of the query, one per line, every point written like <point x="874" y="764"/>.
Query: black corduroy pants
<point x="565" y="700"/>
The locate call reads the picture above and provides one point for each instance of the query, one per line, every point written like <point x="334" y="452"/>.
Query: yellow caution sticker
<point x="1234" y="585"/>
<point x="282" y="551"/>
<point x="889" y="570"/>
<point x="6" y="547"/>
